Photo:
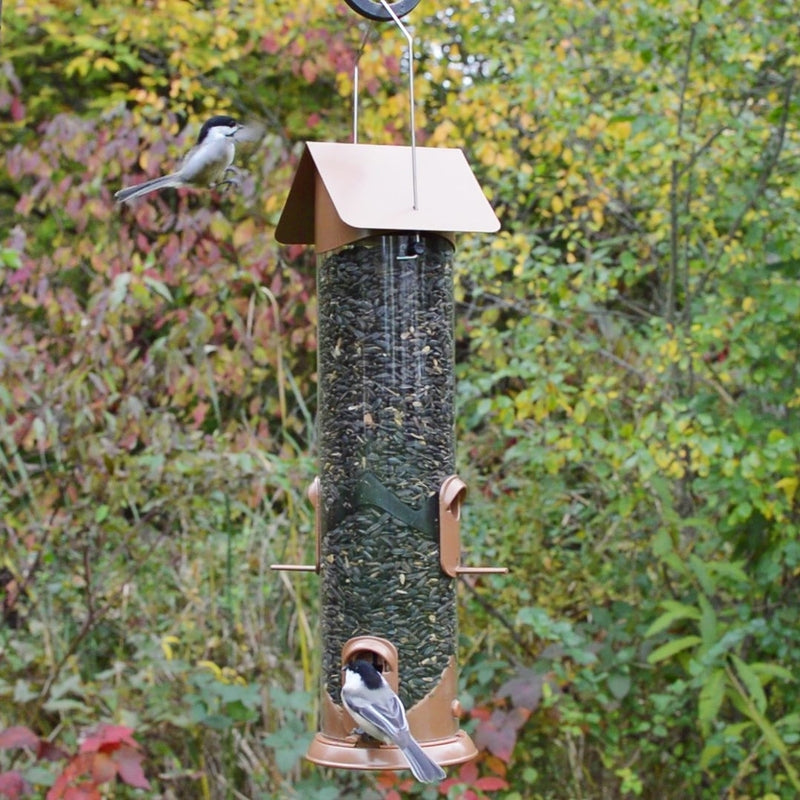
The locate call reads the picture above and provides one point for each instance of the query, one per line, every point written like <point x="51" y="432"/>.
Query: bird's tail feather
<point x="424" y="768"/>
<point x="123" y="195"/>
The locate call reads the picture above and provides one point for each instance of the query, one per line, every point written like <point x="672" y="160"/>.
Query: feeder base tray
<point x="344" y="754"/>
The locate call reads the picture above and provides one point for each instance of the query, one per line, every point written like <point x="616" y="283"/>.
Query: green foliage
<point x="628" y="390"/>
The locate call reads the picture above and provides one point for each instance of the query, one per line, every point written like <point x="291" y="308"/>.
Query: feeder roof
<point x="370" y="188"/>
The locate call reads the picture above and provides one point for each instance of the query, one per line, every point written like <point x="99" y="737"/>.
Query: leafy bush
<point x="627" y="378"/>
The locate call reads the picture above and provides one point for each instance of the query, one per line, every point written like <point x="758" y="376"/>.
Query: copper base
<point x="350" y="754"/>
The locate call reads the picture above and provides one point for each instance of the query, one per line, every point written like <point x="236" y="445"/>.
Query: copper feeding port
<point x="381" y="653"/>
<point x="451" y="497"/>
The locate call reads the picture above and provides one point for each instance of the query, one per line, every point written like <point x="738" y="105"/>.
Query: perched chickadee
<point x="379" y="713"/>
<point x="207" y="163"/>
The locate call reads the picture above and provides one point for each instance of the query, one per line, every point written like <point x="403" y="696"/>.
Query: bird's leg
<point x="226" y="181"/>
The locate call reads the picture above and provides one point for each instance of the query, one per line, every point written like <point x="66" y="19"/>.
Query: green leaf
<point x="789" y="267"/>
<point x="698" y="567"/>
<point x="792" y="721"/>
<point x="736" y="730"/>
<point x="674" y="611"/>
<point x="751" y="682"/>
<point x="708" y="622"/>
<point x="289" y="743"/>
<point x="159" y="288"/>
<point x="66" y="704"/>
<point x="709" y="754"/>
<point x="619" y="685"/>
<point x="119" y="290"/>
<point x="765" y="669"/>
<point x="729" y="569"/>
<point x="710" y="699"/>
<point x="672" y="648"/>
<point x="218" y="722"/>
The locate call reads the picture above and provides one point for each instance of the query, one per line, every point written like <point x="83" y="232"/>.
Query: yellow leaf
<point x="166" y="646"/>
<point x="789" y="487"/>
<point x="79" y="65"/>
<point x="104" y="63"/>
<point x="245" y="232"/>
<point x="442" y="133"/>
<point x="213" y="668"/>
<point x="619" y="130"/>
<point x="580" y="412"/>
<point x="670" y="349"/>
<point x="220" y="227"/>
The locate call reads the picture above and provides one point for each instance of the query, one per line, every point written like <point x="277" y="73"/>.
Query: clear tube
<point x="386" y="442"/>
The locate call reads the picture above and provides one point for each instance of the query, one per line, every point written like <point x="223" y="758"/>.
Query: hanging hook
<point x="372" y="10"/>
<point x="410" y="41"/>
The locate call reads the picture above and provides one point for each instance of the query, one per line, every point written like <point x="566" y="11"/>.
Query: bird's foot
<point x="226" y="183"/>
<point x="234" y="180"/>
<point x="360" y="736"/>
<point x="233" y="176"/>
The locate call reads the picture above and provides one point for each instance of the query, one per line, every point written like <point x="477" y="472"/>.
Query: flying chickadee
<point x="207" y="163"/>
<point x="378" y="712"/>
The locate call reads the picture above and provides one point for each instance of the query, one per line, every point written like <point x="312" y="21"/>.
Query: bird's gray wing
<point x="387" y="716"/>
<point x="205" y="163"/>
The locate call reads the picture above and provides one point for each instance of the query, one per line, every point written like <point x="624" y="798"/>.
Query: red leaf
<point x="199" y="413"/>
<point x="85" y="791"/>
<point x="406" y="784"/>
<point x="57" y="789"/>
<point x="444" y="786"/>
<point x="103" y="768"/>
<point x="79" y="765"/>
<point x="495" y="765"/>
<point x="525" y="689"/>
<point x="468" y="772"/>
<point x="50" y="752"/>
<point x="387" y="779"/>
<point x="17" y="109"/>
<point x="13" y="785"/>
<point x="490" y="783"/>
<point x="108" y="738"/>
<point x="129" y="762"/>
<point x="270" y="44"/>
<point x="498" y="734"/>
<point x="18" y="736"/>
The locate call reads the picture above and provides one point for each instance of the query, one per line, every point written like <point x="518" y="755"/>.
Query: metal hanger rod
<point x="410" y="41"/>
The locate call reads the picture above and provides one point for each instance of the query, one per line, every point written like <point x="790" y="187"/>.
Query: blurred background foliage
<point x="627" y="382"/>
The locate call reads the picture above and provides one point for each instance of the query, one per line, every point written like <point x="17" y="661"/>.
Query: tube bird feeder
<point x="387" y="498"/>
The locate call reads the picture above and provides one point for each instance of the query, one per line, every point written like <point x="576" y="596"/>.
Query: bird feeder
<point x="383" y="221"/>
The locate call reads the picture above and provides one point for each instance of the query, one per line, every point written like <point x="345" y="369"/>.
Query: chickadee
<point x="378" y="712"/>
<point x="208" y="162"/>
